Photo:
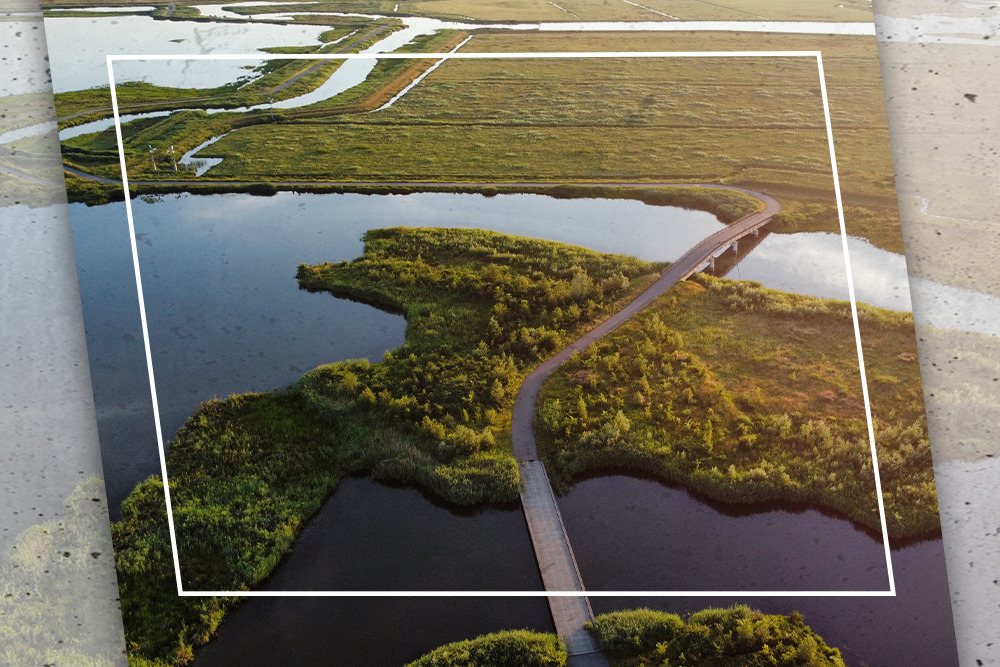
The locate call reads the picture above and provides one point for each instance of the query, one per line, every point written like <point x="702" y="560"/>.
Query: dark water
<point x="368" y="631"/>
<point x="632" y="534"/>
<point x="369" y="536"/>
<point x="912" y="629"/>
<point x="225" y="315"/>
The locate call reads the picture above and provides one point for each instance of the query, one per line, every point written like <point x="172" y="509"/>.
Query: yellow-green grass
<point x="748" y="394"/>
<point x="737" y="636"/>
<point x="98" y="153"/>
<point x="734" y="637"/>
<point x="755" y="122"/>
<point x="752" y="122"/>
<point x="508" y="648"/>
<point x="601" y="10"/>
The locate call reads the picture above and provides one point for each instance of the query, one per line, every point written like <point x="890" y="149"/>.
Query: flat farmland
<point x="603" y="10"/>
<point x="755" y="121"/>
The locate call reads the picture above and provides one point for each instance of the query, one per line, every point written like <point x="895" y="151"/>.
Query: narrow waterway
<point x="226" y="315"/>
<point x="631" y="533"/>
<point x="373" y="537"/>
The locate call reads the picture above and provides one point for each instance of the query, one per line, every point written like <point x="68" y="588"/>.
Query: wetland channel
<point x="225" y="315"/>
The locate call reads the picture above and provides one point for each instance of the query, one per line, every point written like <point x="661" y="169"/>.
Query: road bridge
<point x="548" y="534"/>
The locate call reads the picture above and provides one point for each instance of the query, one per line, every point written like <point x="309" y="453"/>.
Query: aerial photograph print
<point x="482" y="332"/>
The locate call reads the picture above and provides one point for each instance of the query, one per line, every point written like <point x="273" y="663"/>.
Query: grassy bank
<point x="482" y="309"/>
<point x="246" y="473"/>
<point x="746" y="395"/>
<point x="754" y="122"/>
<point x="270" y="79"/>
<point x="734" y="637"/>
<point x="510" y="648"/>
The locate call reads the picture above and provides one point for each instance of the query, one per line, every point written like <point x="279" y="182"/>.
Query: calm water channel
<point x="225" y="315"/>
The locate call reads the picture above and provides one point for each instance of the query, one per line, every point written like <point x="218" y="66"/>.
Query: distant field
<point x="756" y="122"/>
<point x="583" y="10"/>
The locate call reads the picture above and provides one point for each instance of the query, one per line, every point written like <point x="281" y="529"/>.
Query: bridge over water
<point x="548" y="535"/>
<point x="553" y="551"/>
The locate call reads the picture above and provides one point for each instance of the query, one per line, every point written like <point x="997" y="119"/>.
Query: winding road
<point x="548" y="534"/>
<point x="553" y="551"/>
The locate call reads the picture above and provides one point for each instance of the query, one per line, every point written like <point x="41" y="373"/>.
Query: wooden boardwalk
<point x="555" y="559"/>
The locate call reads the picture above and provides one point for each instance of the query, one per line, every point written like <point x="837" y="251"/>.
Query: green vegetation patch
<point x="747" y="394"/>
<point x="510" y="648"/>
<point x="246" y="473"/>
<point x="482" y="308"/>
<point x="734" y="637"/>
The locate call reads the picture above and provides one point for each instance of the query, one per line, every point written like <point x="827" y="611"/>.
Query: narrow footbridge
<point x="548" y="535"/>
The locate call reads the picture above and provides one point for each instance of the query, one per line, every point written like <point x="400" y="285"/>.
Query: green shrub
<point x="734" y="637"/>
<point x="510" y="648"/>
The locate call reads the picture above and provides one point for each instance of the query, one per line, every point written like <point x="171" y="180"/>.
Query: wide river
<point x="225" y="315"/>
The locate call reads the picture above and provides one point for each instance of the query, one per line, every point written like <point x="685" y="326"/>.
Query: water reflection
<point x="370" y="536"/>
<point x="80" y="63"/>
<point x="631" y="533"/>
<point x="225" y="313"/>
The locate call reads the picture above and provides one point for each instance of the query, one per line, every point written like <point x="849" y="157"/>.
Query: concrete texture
<point x="940" y="64"/>
<point x="59" y="547"/>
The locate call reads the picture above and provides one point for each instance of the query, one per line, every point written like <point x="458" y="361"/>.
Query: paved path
<point x="555" y="558"/>
<point x="548" y="535"/>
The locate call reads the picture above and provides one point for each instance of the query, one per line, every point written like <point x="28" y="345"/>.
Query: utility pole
<point x="172" y="157"/>
<point x="151" y="157"/>
<point x="271" y="100"/>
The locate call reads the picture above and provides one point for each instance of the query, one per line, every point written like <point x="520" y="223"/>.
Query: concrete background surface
<point x="941" y="68"/>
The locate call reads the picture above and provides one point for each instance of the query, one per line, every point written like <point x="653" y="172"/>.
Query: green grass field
<point x="572" y="10"/>
<point x="756" y="122"/>
<point x="747" y="394"/>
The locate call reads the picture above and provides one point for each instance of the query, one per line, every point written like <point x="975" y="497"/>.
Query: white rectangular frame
<point x="891" y="592"/>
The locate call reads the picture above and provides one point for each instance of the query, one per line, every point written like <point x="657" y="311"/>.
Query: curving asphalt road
<point x="525" y="448"/>
<point x="549" y="540"/>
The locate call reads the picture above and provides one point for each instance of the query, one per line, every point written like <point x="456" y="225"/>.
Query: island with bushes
<point x="483" y="309"/>
<point x="735" y="637"/>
